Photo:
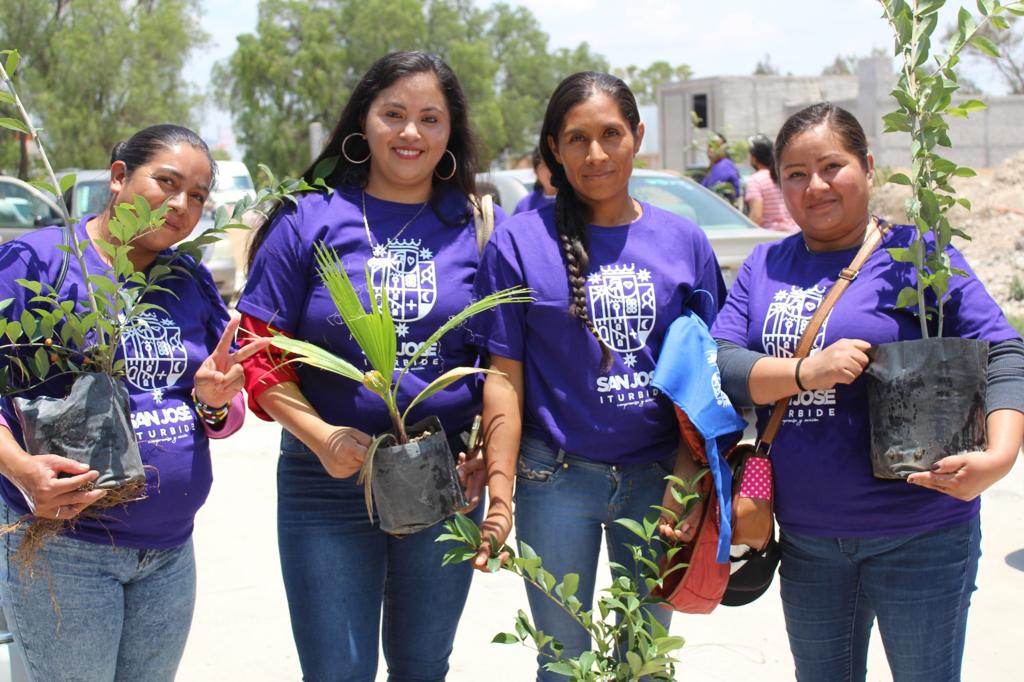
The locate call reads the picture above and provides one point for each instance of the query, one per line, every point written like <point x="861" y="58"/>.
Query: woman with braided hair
<point x="574" y="419"/>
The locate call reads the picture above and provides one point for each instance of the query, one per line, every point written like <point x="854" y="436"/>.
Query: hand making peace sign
<point x="221" y="376"/>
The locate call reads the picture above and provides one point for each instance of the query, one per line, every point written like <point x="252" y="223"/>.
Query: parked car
<point x="233" y="183"/>
<point x="731" y="233"/>
<point x="24" y="208"/>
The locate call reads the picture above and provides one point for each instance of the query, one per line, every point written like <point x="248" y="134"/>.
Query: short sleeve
<point x="709" y="289"/>
<point x="278" y="279"/>
<point x="501" y="330"/>
<point x="733" y="320"/>
<point x="971" y="312"/>
<point x="753" y="190"/>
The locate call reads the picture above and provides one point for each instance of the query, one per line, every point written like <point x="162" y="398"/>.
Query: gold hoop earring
<point x="455" y="165"/>
<point x="345" y="154"/>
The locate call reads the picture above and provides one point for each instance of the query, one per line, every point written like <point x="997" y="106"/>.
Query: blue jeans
<point x="563" y="505"/>
<point x="917" y="586"/>
<point x="99" y="612"/>
<point x="340" y="571"/>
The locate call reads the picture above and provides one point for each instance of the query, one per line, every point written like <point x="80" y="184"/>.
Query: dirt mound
<point x="995" y="224"/>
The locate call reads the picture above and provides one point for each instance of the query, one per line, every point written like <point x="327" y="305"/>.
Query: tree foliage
<point x="305" y="58"/>
<point x="764" y="67"/>
<point x="95" y="71"/>
<point x="644" y="82"/>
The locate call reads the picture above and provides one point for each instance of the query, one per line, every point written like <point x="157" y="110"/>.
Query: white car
<point x="233" y="183"/>
<point x="731" y="233"/>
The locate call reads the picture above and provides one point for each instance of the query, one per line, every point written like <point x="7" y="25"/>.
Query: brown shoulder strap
<point x="876" y="231"/>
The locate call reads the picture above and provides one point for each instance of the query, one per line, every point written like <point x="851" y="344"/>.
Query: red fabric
<point x="264" y="369"/>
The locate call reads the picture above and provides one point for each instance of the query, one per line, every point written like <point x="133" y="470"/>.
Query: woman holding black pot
<point x="856" y="548"/>
<point x="400" y="208"/>
<point x="574" y="420"/>
<point x="112" y="596"/>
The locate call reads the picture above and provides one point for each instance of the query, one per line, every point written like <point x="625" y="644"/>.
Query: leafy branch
<point x="924" y="95"/>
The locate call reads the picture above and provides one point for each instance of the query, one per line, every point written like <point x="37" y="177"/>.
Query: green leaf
<point x="964" y="172"/>
<point x="907" y="298"/>
<point x="444" y="381"/>
<point x="505" y="638"/>
<point x="28" y="324"/>
<point x="314" y="356"/>
<point x="985" y="45"/>
<point x="13" y="60"/>
<point x="469" y="530"/>
<point x="45" y="187"/>
<point x="634" y="527"/>
<point x="13" y="331"/>
<point x="325" y="167"/>
<point x="899" y="179"/>
<point x="41" y="363"/>
<point x="13" y="124"/>
<point x="34" y="287"/>
<point x="67" y="182"/>
<point x="569" y="585"/>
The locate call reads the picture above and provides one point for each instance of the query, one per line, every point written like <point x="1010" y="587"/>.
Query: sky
<point x="724" y="38"/>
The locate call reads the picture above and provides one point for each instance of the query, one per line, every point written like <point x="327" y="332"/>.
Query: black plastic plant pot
<point x="91" y="426"/>
<point x="926" y="400"/>
<point x="416" y="485"/>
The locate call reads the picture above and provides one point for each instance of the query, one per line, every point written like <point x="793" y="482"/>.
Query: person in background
<point x="722" y="177"/>
<point x="856" y="548"/>
<point x="113" y="596"/>
<point x="572" y="419"/>
<point x="543" y="193"/>
<point x="400" y="209"/>
<point x="762" y="195"/>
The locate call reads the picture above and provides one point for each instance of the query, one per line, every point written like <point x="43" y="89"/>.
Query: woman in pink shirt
<point x="761" y="194"/>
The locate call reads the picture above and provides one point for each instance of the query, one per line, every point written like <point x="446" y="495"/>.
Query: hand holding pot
<point x="840" y="363"/>
<point x="221" y="376"/>
<point x="964" y="476"/>
<point x="38" y="477"/>
<point x="343" y="451"/>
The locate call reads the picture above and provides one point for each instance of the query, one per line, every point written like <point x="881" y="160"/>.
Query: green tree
<point x="644" y="82"/>
<point x="764" y="67"/>
<point x="97" y="70"/>
<point x="304" y="59"/>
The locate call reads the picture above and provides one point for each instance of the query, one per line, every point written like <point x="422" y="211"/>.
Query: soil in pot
<point x="415" y="485"/>
<point x="926" y="400"/>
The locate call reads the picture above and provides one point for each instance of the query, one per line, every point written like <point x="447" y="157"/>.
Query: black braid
<point x="570" y="221"/>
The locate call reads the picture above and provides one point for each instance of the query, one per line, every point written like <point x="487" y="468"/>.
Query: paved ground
<point x="241" y="629"/>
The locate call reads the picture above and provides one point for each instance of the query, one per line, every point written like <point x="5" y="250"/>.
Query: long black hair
<point x="141" y="147"/>
<point x="570" y="211"/>
<point x="384" y="73"/>
<point x="840" y="121"/>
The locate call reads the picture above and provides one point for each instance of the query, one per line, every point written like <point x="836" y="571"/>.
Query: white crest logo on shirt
<point x="622" y="306"/>
<point x="408" y="272"/>
<point x="716" y="379"/>
<point x="154" y="355"/>
<point x="788" y="316"/>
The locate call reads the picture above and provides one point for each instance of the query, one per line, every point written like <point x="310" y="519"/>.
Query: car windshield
<point x="92" y="196"/>
<point x="686" y="199"/>
<point x="229" y="182"/>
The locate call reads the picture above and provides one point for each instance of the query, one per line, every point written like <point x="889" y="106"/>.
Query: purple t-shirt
<point x="162" y="355"/>
<point x="723" y="170"/>
<point x="642" y="277"/>
<point x="823" y="481"/>
<point x="429" y="272"/>
<point x="534" y="200"/>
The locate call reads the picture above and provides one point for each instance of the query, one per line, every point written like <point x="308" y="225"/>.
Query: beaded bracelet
<point x="211" y="416"/>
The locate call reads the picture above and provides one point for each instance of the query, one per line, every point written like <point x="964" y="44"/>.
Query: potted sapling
<point x="409" y="473"/>
<point x="927" y="396"/>
<point x="61" y="357"/>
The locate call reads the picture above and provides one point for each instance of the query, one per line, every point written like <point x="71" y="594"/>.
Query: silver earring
<point x="345" y="154"/>
<point x="455" y="165"/>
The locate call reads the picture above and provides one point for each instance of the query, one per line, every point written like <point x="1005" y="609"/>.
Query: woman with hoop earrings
<point x="401" y="208"/>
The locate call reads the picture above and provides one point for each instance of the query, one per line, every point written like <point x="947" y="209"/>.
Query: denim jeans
<point x="917" y="586"/>
<point x="341" y="571"/>
<point x="563" y="505"/>
<point x="98" y="612"/>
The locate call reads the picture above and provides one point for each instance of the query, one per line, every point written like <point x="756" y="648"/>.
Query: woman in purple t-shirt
<point x="112" y="596"/>
<point x="854" y="547"/>
<point x="576" y="422"/>
<point x="399" y="210"/>
<point x="543" y="193"/>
